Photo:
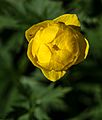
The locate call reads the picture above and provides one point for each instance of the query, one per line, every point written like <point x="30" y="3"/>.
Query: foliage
<point x="25" y="94"/>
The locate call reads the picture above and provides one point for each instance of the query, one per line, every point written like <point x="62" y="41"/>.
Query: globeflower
<point x="55" y="45"/>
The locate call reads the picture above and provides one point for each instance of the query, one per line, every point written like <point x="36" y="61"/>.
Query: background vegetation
<point x="25" y="94"/>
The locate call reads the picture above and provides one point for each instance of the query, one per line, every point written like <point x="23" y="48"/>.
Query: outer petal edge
<point x="30" y="56"/>
<point x="81" y="57"/>
<point x="53" y="75"/>
<point x="68" y="19"/>
<point x="87" y="48"/>
<point x="30" y="33"/>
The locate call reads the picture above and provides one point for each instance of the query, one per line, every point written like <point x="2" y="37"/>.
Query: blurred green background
<point x="25" y="94"/>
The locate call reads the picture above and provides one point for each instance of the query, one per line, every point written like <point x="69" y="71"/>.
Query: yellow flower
<point x="55" y="45"/>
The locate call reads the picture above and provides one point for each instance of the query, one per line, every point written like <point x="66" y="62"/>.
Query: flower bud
<point x="55" y="45"/>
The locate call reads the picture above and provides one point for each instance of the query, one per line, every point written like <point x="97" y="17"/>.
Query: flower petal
<point x="68" y="49"/>
<point x="30" y="56"/>
<point x="84" y="48"/>
<point x="44" y="56"/>
<point x="53" y="75"/>
<point x="49" y="33"/>
<point x="30" y="33"/>
<point x="43" y="36"/>
<point x="29" y="51"/>
<point x="68" y="19"/>
<point x="87" y="48"/>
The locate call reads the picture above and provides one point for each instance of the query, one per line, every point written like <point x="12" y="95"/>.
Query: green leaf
<point x="7" y="22"/>
<point x="41" y="8"/>
<point x="24" y="117"/>
<point x="18" y="5"/>
<point x="43" y="98"/>
<point x="17" y="40"/>
<point x="94" y="36"/>
<point x="40" y="114"/>
<point x="16" y="112"/>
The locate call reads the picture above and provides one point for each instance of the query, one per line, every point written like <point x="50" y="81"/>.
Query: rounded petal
<point x="36" y="42"/>
<point x="83" y="45"/>
<point x="44" y="36"/>
<point x="44" y="56"/>
<point x="30" y="56"/>
<point x="62" y="58"/>
<point x="49" y="33"/>
<point x="67" y="40"/>
<point x="29" y="51"/>
<point x="84" y="48"/>
<point x="68" y="19"/>
<point x="30" y="33"/>
<point x="68" y="50"/>
<point x="53" y="75"/>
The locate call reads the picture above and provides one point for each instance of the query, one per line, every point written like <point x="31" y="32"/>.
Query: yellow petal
<point x="87" y="48"/>
<point x="67" y="40"/>
<point x="44" y="56"/>
<point x="84" y="48"/>
<point x="36" y="42"/>
<point x="82" y="44"/>
<point x="68" y="19"/>
<point x="30" y="33"/>
<point x="29" y="52"/>
<point x="62" y="58"/>
<point x="44" y="36"/>
<point x="53" y="75"/>
<point x="30" y="56"/>
<point x="68" y="50"/>
<point x="49" y="33"/>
